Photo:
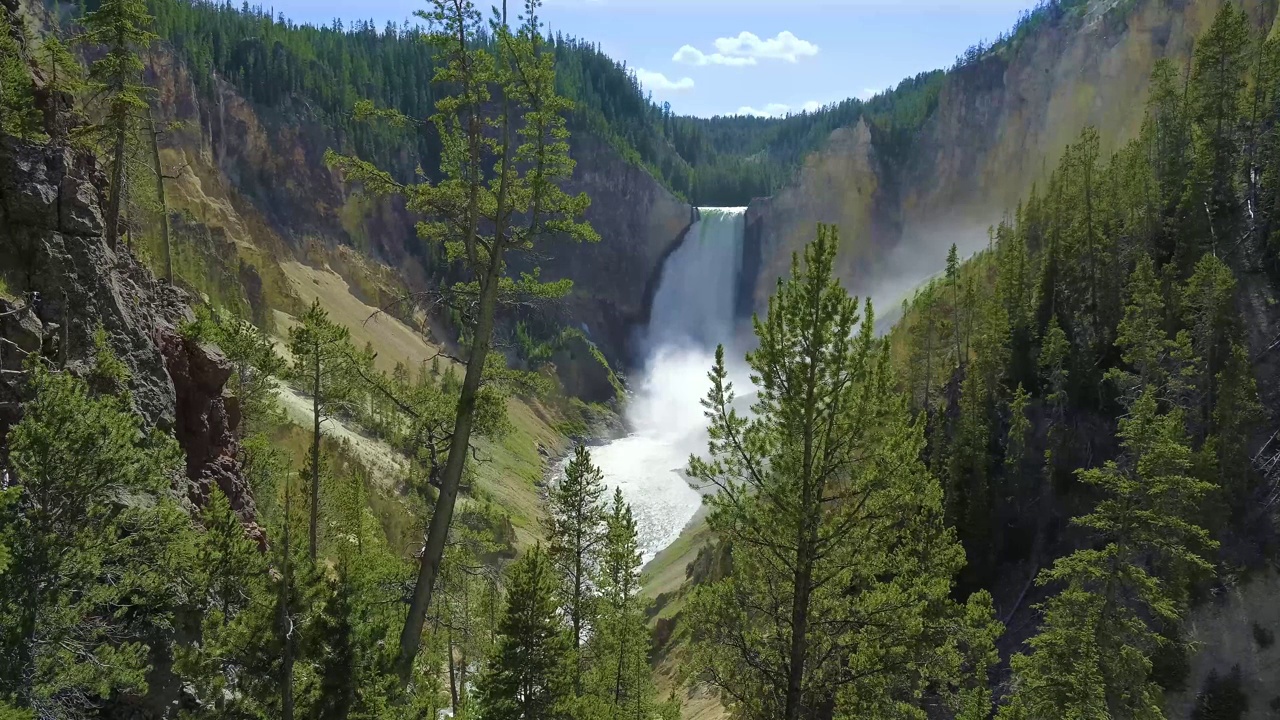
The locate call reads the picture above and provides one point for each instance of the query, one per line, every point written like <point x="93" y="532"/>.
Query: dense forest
<point x="1075" y="408"/>
<point x="1088" y="388"/>
<point x="320" y="73"/>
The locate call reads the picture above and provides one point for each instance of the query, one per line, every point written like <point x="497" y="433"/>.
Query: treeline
<point x="321" y="72"/>
<point x="1087" y="384"/>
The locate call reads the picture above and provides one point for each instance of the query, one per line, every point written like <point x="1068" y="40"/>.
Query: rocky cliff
<point x="64" y="285"/>
<point x="256" y="177"/>
<point x="999" y="125"/>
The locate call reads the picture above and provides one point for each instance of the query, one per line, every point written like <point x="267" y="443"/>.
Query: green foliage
<point x="530" y="672"/>
<point x="324" y="366"/>
<point x="1165" y="365"/>
<point x="18" y="113"/>
<point x="577" y="531"/>
<point x="99" y="550"/>
<point x="1015" y="451"/>
<point x="122" y="28"/>
<point x="8" y="499"/>
<point x="231" y="668"/>
<point x="1121" y="308"/>
<point x="1092" y="657"/>
<point x="1211" y="201"/>
<point x="619" y="683"/>
<point x="831" y="518"/>
<point x="1223" y="698"/>
<point x="504" y="157"/>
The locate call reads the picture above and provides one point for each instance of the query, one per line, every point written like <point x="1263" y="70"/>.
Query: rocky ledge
<point x="64" y="284"/>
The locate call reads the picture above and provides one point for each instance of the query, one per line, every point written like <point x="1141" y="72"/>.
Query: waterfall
<point x="693" y="310"/>
<point x="696" y="300"/>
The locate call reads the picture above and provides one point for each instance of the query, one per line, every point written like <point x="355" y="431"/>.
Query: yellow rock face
<point x="1000" y="125"/>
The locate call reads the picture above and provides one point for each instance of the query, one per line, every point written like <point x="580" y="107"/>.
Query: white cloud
<point x="779" y="109"/>
<point x="785" y="46"/>
<point x="690" y="55"/>
<point x="748" y="49"/>
<point x="868" y="93"/>
<point x="658" y="81"/>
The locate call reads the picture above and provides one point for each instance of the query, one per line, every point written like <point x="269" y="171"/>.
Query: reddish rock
<point x="207" y="418"/>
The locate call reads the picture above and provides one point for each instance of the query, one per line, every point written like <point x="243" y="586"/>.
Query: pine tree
<point x="322" y="360"/>
<point x="123" y="28"/>
<point x="1167" y="135"/>
<point x="969" y="500"/>
<point x="503" y="162"/>
<point x="99" y="550"/>
<point x="529" y="674"/>
<point x="953" y="282"/>
<point x="1213" y="324"/>
<point x="18" y="114"/>
<point x="1211" y="204"/>
<point x="65" y="79"/>
<point x="221" y="667"/>
<point x="1167" y="366"/>
<point x="1236" y="414"/>
<point x="1092" y="656"/>
<point x="828" y="513"/>
<point x="577" y="530"/>
<point x="619" y="682"/>
<point x="1015" y="446"/>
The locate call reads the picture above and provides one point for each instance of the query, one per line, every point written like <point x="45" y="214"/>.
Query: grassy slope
<point x="511" y="467"/>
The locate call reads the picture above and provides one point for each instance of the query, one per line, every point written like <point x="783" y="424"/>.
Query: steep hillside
<point x="1000" y="120"/>
<point x="258" y="175"/>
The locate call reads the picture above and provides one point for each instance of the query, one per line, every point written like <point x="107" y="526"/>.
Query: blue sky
<point x="710" y="57"/>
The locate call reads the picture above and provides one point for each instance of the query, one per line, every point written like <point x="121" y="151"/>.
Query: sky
<point x="769" y="57"/>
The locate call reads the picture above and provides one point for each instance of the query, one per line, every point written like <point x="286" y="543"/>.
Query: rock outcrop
<point x="53" y="255"/>
<point x="207" y="418"/>
<point x="66" y="285"/>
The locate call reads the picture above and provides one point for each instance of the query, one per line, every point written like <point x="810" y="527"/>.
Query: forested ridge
<point x="319" y="73"/>
<point x="1088" y="386"/>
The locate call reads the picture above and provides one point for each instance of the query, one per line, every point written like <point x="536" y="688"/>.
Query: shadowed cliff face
<point x="640" y="224"/>
<point x="1000" y="124"/>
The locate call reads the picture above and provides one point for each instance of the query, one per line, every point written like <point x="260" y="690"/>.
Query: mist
<point x="694" y="310"/>
<point x="918" y="257"/>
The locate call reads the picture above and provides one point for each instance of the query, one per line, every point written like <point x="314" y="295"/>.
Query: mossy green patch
<point x="512" y="469"/>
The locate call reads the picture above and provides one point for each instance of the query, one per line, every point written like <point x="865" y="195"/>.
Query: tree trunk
<point x="799" y="635"/>
<point x="315" y="458"/>
<point x="164" y="207"/>
<point x="802" y="579"/>
<point x="438" y="531"/>
<point x="462" y="678"/>
<point x="286" y="620"/>
<point x="453" y="675"/>
<point x="618" y="676"/>
<point x="577" y="605"/>
<point x="117" y="189"/>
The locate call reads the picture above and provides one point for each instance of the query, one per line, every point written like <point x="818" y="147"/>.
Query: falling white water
<point x="693" y="311"/>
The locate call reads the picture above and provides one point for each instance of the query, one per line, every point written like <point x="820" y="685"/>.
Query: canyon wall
<point x="1000" y="124"/>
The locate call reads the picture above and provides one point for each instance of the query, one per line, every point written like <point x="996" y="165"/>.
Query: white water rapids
<point x="693" y="311"/>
